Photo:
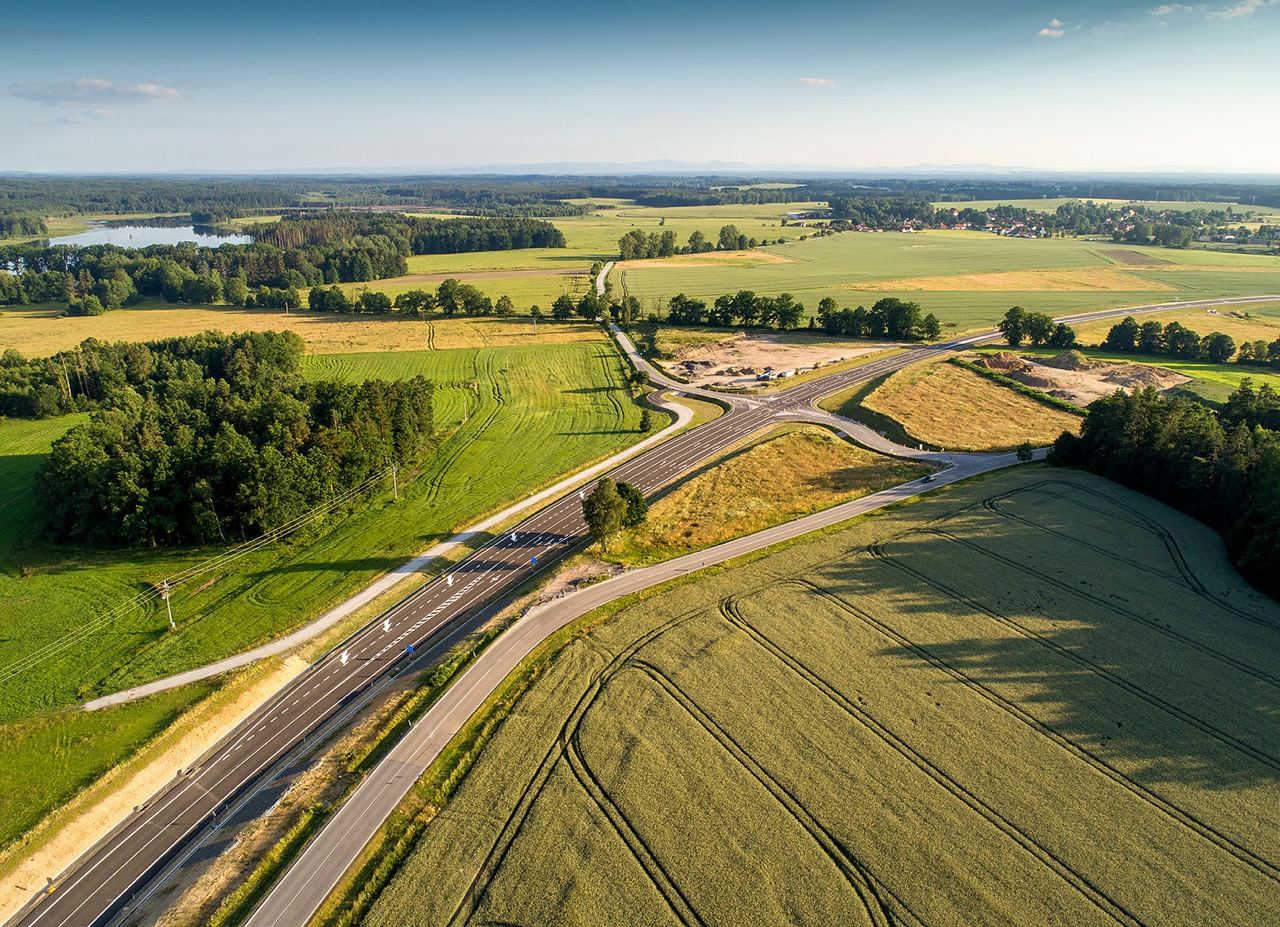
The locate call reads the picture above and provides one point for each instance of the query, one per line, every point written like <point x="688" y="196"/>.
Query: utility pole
<point x="164" y="594"/>
<point x="395" y="486"/>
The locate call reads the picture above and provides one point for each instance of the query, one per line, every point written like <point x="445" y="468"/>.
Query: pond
<point x="144" y="234"/>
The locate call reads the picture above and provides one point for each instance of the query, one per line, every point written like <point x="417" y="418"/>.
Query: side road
<point x="306" y="884"/>
<point x="401" y="573"/>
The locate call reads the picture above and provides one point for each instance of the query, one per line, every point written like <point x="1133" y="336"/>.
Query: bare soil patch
<point x="1134" y="258"/>
<point x="737" y="360"/>
<point x="1063" y="280"/>
<point x="1077" y="379"/>
<point x="578" y="576"/>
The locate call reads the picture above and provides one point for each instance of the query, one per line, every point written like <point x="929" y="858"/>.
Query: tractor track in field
<point x="1120" y="610"/>
<point x="866" y="886"/>
<point x="515" y="821"/>
<point x="1228" y="740"/>
<point x="1183" y="817"/>
<point x="1082" y="885"/>
<point x="1138" y="520"/>
<point x="658" y="875"/>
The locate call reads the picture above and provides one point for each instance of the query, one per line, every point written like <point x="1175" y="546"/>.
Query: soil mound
<point x="1004" y="362"/>
<point x="1072" y="360"/>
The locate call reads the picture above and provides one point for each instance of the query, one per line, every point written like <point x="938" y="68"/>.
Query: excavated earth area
<point x="1077" y="379"/>
<point x="738" y="359"/>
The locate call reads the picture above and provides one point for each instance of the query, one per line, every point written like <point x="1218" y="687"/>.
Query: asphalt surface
<point x="311" y="877"/>
<point x="104" y="880"/>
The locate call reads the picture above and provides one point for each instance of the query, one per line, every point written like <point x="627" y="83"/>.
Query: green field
<point x="967" y="278"/>
<point x="959" y="713"/>
<point x="49" y="758"/>
<point x="562" y="405"/>
<point x="539" y="275"/>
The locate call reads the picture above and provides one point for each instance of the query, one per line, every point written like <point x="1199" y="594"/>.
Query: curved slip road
<point x="308" y="881"/>
<point x="105" y="879"/>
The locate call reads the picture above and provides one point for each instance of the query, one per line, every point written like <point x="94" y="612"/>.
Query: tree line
<point x="1019" y="325"/>
<point x="637" y="245"/>
<point x="1171" y="340"/>
<point x="406" y="235"/>
<point x="219" y="198"/>
<point x="16" y="225"/>
<point x="742" y="309"/>
<point x="894" y="318"/>
<point x="1221" y="467"/>
<point x="218" y="437"/>
<point x="313" y="252"/>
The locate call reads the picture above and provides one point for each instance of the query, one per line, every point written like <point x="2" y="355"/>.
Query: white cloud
<point x="1055" y="23"/>
<point x="816" y="82"/>
<point x="1242" y="8"/>
<point x="1245" y="8"/>
<point x="1049" y="32"/>
<point x="80" y="118"/>
<point x="92" y="92"/>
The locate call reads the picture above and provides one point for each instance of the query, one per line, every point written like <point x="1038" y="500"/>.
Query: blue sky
<point x="325" y="85"/>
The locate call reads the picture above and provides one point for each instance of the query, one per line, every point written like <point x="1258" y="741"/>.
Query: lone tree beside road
<point x="611" y="507"/>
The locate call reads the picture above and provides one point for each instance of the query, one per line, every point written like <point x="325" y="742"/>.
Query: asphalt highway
<point x="105" y="879"/>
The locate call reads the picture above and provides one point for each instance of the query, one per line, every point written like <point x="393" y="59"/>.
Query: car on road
<point x="930" y="478"/>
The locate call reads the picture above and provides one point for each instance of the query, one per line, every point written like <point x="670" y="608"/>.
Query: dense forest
<point x="210" y="199"/>
<point x="1223" y="467"/>
<point x="407" y="235"/>
<point x="218" y="437"/>
<point x="290" y="255"/>
<point x="19" y="225"/>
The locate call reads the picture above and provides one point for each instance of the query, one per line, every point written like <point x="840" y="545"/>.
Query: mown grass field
<point x="791" y="472"/>
<point x="966" y="278"/>
<point x="42" y="329"/>
<point x="961" y="712"/>
<point x="946" y="406"/>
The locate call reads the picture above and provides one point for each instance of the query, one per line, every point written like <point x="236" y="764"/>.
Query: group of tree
<point x="612" y="506"/>
<point x="1020" y="325"/>
<point x="743" y="309"/>
<point x="1169" y="340"/>
<point x="1220" y="467"/>
<point x="451" y="297"/>
<point x="637" y="245"/>
<point x="893" y="318"/>
<point x="882" y="212"/>
<point x="405" y="235"/>
<point x="219" y="437"/>
<point x="19" y="225"/>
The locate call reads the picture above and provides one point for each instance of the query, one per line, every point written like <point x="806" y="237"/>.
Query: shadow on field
<point x="1114" y="650"/>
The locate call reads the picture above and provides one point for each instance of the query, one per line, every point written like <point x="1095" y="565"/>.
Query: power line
<point x="165" y="587"/>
